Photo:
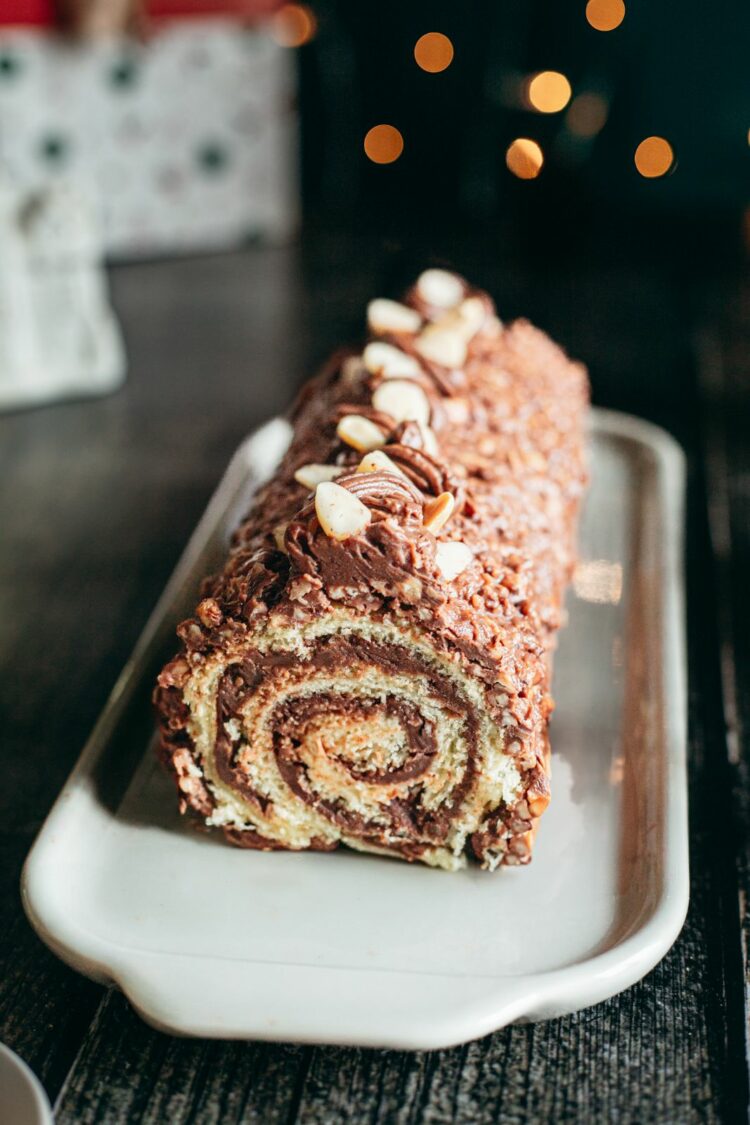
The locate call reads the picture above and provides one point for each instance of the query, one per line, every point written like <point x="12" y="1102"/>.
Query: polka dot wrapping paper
<point x="185" y="141"/>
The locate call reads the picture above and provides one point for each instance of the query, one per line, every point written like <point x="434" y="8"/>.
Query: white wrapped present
<point x="186" y="141"/>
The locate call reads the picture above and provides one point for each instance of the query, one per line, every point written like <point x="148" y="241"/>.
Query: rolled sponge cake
<point x="371" y="667"/>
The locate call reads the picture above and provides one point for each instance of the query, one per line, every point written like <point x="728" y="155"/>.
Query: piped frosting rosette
<point x="371" y="668"/>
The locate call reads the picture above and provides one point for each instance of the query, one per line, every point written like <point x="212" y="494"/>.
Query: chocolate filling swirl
<point x="371" y="665"/>
<point x="306" y="724"/>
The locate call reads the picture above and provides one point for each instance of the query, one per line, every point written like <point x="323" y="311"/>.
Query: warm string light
<point x="524" y="158"/>
<point x="383" y="144"/>
<point x="605" y="15"/>
<point x="433" y="52"/>
<point x="548" y="91"/>
<point x="654" y="157"/>
<point x="293" y="25"/>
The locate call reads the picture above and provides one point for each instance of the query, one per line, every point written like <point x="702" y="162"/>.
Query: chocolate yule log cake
<point x="372" y="666"/>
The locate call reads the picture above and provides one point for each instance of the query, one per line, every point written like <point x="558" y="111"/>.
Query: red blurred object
<point x="45" y="13"/>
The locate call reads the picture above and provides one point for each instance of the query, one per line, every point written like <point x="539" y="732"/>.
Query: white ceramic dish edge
<point x="403" y="1010"/>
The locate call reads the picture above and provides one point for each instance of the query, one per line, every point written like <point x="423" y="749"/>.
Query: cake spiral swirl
<point x="371" y="667"/>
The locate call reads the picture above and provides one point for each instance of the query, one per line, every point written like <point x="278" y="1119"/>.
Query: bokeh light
<point x="605" y="15"/>
<point x="548" y="92"/>
<point x="433" y="52"/>
<point x="654" y="157"/>
<point x="293" y="25"/>
<point x="524" y="158"/>
<point x="383" y="144"/>
<point x="587" y="115"/>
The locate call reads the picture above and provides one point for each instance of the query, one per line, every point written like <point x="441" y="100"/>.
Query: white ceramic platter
<point x="209" y="940"/>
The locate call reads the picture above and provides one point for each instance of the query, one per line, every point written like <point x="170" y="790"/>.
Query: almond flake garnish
<point x="312" y="475"/>
<point x="389" y="362"/>
<point x="452" y="558"/>
<point x="340" y="514"/>
<point x="391" y="316"/>
<point x="472" y="314"/>
<point x="360" y="433"/>
<point x="443" y="343"/>
<point x="378" y="461"/>
<point x="404" y="401"/>
<point x="437" y="512"/>
<point x="440" y="288"/>
<point x="429" y="441"/>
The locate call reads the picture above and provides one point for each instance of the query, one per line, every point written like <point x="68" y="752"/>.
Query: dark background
<point x="678" y="71"/>
<point x="644" y="280"/>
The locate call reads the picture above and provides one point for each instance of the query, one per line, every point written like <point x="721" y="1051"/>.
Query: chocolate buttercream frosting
<point x="371" y="667"/>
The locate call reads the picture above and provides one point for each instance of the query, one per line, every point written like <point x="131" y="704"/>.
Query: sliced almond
<point x="378" y="461"/>
<point x="437" y="512"/>
<point x="443" y="343"/>
<point x="404" y="401"/>
<point x="472" y="314"/>
<point x="312" y="475"/>
<point x="429" y="440"/>
<point x="452" y="558"/>
<point x="278" y="533"/>
<point x="388" y="361"/>
<point x="391" y="316"/>
<point x="440" y="288"/>
<point x="360" y="433"/>
<point x="340" y="514"/>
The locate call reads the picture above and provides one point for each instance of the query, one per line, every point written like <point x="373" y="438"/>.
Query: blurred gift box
<point x="177" y="119"/>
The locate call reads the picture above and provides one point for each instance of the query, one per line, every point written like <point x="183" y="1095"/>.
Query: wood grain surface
<point x="97" y="500"/>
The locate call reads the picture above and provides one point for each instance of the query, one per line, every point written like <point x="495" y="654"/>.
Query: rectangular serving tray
<point x="209" y="940"/>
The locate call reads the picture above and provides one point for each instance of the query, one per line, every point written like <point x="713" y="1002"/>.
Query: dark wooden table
<point x="97" y="500"/>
